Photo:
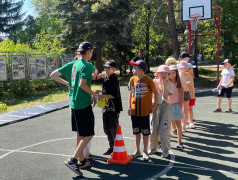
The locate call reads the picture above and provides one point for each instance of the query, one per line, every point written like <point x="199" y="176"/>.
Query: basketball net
<point x="194" y="21"/>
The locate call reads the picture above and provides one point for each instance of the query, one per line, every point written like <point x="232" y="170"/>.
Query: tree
<point x="172" y="29"/>
<point x="10" y="15"/>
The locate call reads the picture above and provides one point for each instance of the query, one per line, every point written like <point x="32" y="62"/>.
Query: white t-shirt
<point x="227" y="76"/>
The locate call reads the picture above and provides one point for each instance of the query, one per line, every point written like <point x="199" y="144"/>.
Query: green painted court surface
<point x="37" y="148"/>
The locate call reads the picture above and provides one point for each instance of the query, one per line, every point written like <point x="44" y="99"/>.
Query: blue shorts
<point x="176" y="112"/>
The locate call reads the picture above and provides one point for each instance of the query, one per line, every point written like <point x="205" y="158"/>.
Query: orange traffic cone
<point x="119" y="155"/>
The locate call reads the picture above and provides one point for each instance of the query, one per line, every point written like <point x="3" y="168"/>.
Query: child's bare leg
<point x="83" y="141"/>
<point x="185" y="119"/>
<point x="191" y="114"/>
<point x="138" y="137"/>
<point x="219" y="101"/>
<point x="145" y="141"/>
<point x="173" y="126"/>
<point x="179" y="132"/>
<point x="229" y="103"/>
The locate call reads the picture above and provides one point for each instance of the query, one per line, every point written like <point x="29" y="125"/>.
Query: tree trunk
<point x="147" y="46"/>
<point x="99" y="51"/>
<point x="172" y="29"/>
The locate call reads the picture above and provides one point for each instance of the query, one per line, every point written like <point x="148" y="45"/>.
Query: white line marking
<point x="167" y="169"/>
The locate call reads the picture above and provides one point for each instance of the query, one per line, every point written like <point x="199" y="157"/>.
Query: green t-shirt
<point x="81" y="70"/>
<point x="66" y="70"/>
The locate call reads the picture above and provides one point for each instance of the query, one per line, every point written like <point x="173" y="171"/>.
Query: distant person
<point x="80" y="103"/>
<point x="161" y="119"/>
<point x="140" y="105"/>
<point x="111" y="90"/>
<point x="176" y="103"/>
<point x="225" y="86"/>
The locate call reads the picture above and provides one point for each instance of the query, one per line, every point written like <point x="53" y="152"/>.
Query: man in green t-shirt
<point x="80" y="102"/>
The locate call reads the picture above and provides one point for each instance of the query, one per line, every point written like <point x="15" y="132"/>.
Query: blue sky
<point x="28" y="8"/>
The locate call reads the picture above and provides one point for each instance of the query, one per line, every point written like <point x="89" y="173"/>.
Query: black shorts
<point x="186" y="96"/>
<point x="83" y="121"/>
<point x="224" y="90"/>
<point x="141" y="125"/>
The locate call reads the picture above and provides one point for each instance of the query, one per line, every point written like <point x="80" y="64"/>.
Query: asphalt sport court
<point x="37" y="148"/>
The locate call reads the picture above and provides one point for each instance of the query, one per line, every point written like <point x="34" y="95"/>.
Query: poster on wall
<point x="18" y="67"/>
<point x="52" y="65"/>
<point x="37" y="68"/>
<point x="3" y="68"/>
<point x="67" y="59"/>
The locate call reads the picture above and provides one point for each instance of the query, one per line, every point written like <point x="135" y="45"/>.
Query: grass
<point x="207" y="78"/>
<point x="44" y="97"/>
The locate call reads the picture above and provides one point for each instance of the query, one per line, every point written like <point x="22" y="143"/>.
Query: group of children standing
<point x="169" y="97"/>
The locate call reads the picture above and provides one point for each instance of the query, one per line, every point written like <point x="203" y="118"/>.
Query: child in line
<point x="111" y="112"/>
<point x="226" y="85"/>
<point x="161" y="119"/>
<point x="140" y="105"/>
<point x="185" y="78"/>
<point x="192" y="96"/>
<point x="169" y="62"/>
<point x="176" y="102"/>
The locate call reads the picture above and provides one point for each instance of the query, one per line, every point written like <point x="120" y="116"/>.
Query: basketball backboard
<point x="202" y="7"/>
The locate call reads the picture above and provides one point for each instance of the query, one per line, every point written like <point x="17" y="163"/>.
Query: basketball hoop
<point x="194" y="21"/>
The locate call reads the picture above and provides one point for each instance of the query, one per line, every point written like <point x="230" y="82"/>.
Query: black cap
<point x="184" y="55"/>
<point x="110" y="63"/>
<point x="226" y="61"/>
<point x="84" y="46"/>
<point x="141" y="64"/>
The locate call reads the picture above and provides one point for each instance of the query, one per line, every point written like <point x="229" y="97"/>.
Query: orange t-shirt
<point x="141" y="99"/>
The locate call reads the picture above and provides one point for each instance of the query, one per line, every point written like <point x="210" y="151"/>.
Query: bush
<point x="3" y="107"/>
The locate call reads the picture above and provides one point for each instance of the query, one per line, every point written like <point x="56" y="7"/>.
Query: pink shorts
<point x="192" y="102"/>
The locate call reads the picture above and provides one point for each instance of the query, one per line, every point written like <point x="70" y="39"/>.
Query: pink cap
<point x="163" y="68"/>
<point x="183" y="64"/>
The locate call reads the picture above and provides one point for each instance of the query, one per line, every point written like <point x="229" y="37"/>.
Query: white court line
<point x="142" y="163"/>
<point x="20" y="150"/>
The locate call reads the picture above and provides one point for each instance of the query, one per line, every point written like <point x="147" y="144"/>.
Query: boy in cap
<point x="184" y="56"/>
<point x="141" y="89"/>
<point x="226" y="85"/>
<point x="111" y="90"/>
<point x="80" y="103"/>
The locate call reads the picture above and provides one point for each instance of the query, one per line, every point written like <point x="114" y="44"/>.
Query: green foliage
<point x="3" y="107"/>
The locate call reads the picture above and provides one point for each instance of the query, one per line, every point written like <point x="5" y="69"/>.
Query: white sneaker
<point x="165" y="154"/>
<point x="152" y="151"/>
<point x="192" y="126"/>
<point x="146" y="156"/>
<point x="187" y="126"/>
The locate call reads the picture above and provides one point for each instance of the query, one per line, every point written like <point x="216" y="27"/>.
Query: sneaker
<point x="192" y="126"/>
<point x="108" y="152"/>
<point x="165" y="154"/>
<point x="136" y="154"/>
<point x="228" y="111"/>
<point x="146" y="156"/>
<point x="218" y="110"/>
<point x="152" y="151"/>
<point x="187" y="126"/>
<point x="180" y="146"/>
<point x="85" y="163"/>
<point x="71" y="164"/>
